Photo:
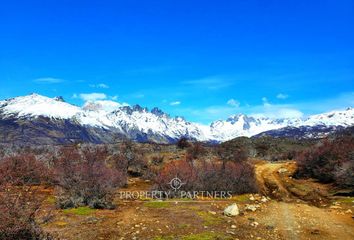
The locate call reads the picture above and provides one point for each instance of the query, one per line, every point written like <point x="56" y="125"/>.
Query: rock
<point x="264" y="199"/>
<point x="251" y="207"/>
<point x="252" y="198"/>
<point x="348" y="211"/>
<point x="282" y="170"/>
<point x="212" y="212"/>
<point x="231" y="210"/>
<point x="233" y="226"/>
<point x="254" y="224"/>
<point x="270" y="227"/>
<point x="335" y="207"/>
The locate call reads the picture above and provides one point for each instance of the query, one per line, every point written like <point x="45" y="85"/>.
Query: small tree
<point x="230" y="153"/>
<point x="195" y="151"/>
<point x="84" y="179"/>
<point x="183" y="143"/>
<point x="131" y="157"/>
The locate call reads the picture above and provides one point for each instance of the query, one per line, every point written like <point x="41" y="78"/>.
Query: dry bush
<point x="330" y="162"/>
<point x="132" y="158"/>
<point x="19" y="202"/>
<point x="157" y="160"/>
<point x="195" y="151"/>
<point x="19" y="206"/>
<point x="228" y="152"/>
<point x="181" y="169"/>
<point x="232" y="173"/>
<point x="24" y="169"/>
<point x="209" y="176"/>
<point x="84" y="179"/>
<point x="183" y="143"/>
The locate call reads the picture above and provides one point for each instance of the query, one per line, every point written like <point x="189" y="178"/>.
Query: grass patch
<point x="345" y="200"/>
<point x="198" y="236"/>
<point x="206" y="236"/>
<point x="163" y="238"/>
<point x="209" y="219"/>
<point x="51" y="200"/>
<point x="60" y="223"/>
<point x="157" y="204"/>
<point x="79" y="211"/>
<point x="183" y="225"/>
<point x="241" y="198"/>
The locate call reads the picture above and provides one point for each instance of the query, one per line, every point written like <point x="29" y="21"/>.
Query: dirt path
<point x="294" y="218"/>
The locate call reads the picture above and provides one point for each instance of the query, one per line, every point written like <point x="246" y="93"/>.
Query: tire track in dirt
<point x="292" y="217"/>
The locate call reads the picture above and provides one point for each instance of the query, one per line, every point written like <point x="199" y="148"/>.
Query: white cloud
<point x="276" y="111"/>
<point x="211" y="83"/>
<point x="175" y="103"/>
<point x="234" y="103"/>
<point x="265" y="102"/>
<point x="282" y="96"/>
<point x="100" y="85"/>
<point x="106" y="105"/>
<point x="92" y="96"/>
<point x="48" y="80"/>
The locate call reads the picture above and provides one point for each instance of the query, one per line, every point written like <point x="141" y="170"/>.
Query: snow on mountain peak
<point x="114" y="116"/>
<point x="102" y="105"/>
<point x="37" y="105"/>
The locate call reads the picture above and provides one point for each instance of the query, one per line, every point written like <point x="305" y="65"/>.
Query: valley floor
<point x="293" y="209"/>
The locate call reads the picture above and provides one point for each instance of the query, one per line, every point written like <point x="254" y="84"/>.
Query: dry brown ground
<point x="299" y="209"/>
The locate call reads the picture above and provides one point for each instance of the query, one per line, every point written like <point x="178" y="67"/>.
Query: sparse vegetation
<point x="24" y="169"/>
<point x="79" y="211"/>
<point x="204" y="176"/>
<point x="83" y="179"/>
<point x="183" y="143"/>
<point x="332" y="161"/>
<point x="157" y="204"/>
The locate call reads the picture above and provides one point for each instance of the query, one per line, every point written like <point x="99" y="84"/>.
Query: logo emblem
<point x="176" y="183"/>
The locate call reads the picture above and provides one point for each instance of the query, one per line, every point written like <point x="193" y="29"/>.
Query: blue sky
<point x="203" y="60"/>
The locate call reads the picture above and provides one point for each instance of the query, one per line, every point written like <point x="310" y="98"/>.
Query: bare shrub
<point x="183" y="143"/>
<point x="157" y="160"/>
<point x="209" y="176"/>
<point x="84" y="179"/>
<point x="195" y="151"/>
<point x="19" y="206"/>
<point x="132" y="158"/>
<point x="331" y="161"/>
<point x="24" y="169"/>
<point x="228" y="152"/>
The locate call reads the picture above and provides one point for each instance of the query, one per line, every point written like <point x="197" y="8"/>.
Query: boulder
<point x="231" y="210"/>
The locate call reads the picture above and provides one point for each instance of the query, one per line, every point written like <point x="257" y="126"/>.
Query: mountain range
<point x="37" y="119"/>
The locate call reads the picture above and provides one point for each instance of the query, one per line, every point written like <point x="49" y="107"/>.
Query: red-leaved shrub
<point x="24" y="169"/>
<point x="330" y="162"/>
<point x="84" y="179"/>
<point x="19" y="205"/>
<point x="208" y="176"/>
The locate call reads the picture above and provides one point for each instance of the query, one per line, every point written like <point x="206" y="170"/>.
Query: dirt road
<point x="293" y="214"/>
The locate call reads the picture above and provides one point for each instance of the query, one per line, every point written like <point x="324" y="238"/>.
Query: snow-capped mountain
<point x="134" y="122"/>
<point x="105" y="121"/>
<point x="243" y="125"/>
